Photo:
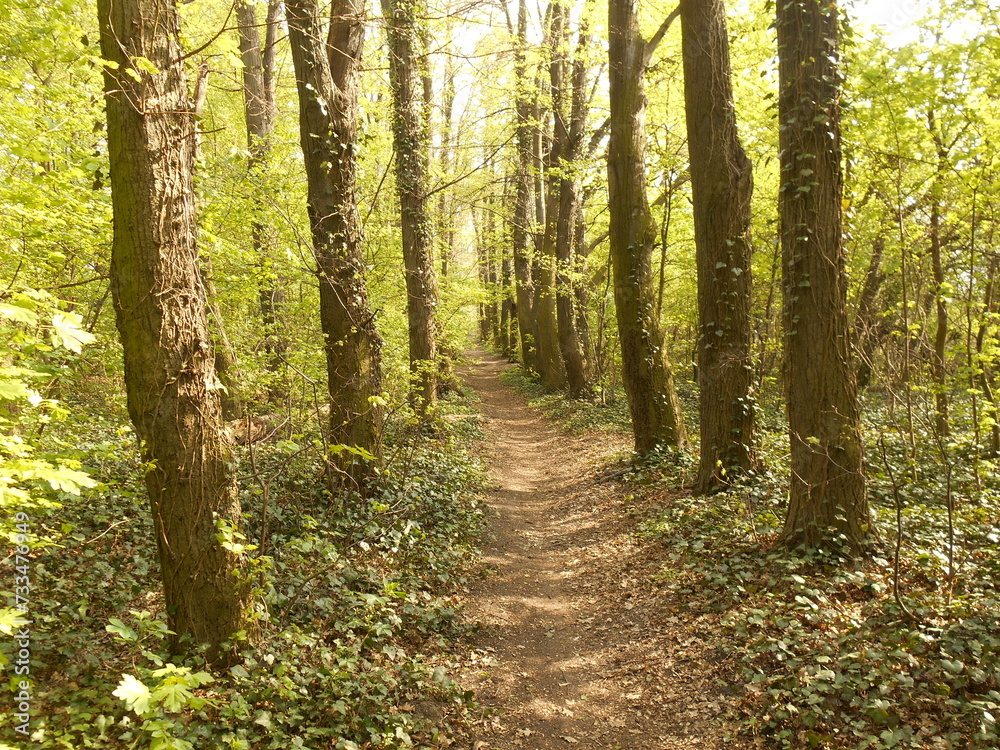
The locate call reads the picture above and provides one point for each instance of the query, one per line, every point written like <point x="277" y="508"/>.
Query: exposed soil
<point x="575" y="648"/>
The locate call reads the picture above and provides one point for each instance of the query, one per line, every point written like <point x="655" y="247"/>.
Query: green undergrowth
<point x="579" y="416"/>
<point x="819" y="651"/>
<point x="354" y="604"/>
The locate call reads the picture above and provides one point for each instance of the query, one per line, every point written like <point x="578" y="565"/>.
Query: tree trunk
<point x="172" y="389"/>
<point x="410" y="135"/>
<point x="722" y="187"/>
<point x="445" y="219"/>
<point x="580" y="288"/>
<point x="327" y="81"/>
<point x="986" y="331"/>
<point x="646" y="373"/>
<point x="866" y="324"/>
<point x="550" y="361"/>
<point x="520" y="231"/>
<point x="827" y="501"/>
<point x="507" y="312"/>
<point x="570" y="136"/>
<point x="939" y="369"/>
<point x="259" y="111"/>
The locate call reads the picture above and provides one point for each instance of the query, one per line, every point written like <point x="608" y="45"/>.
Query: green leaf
<point x="14" y="389"/>
<point x="122" y="630"/>
<point x="174" y="696"/>
<point x="19" y="314"/>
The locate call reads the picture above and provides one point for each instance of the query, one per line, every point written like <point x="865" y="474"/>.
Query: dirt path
<point x="574" y="650"/>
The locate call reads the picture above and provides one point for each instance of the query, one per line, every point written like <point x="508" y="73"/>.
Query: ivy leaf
<point x="134" y="693"/>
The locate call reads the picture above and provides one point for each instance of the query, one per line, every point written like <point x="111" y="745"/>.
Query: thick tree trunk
<point x="827" y="502"/>
<point x="722" y="187"/>
<point x="520" y="231"/>
<point x="327" y="81"/>
<point x="646" y="373"/>
<point x="410" y="135"/>
<point x="172" y="389"/>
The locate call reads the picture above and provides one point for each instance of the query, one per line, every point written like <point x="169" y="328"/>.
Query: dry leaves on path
<point x="574" y="649"/>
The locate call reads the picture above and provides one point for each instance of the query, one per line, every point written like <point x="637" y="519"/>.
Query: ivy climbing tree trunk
<point x="410" y="135"/>
<point x="160" y="305"/>
<point x="827" y="501"/>
<point x="327" y="79"/>
<point x="722" y="186"/>
<point x="646" y="372"/>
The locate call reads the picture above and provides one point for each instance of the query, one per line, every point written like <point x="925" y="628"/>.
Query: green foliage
<point x="355" y="604"/>
<point x="579" y="416"/>
<point x="39" y="343"/>
<point x="823" y="654"/>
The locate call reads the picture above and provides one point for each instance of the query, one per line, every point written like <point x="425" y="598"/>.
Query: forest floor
<point x="573" y="646"/>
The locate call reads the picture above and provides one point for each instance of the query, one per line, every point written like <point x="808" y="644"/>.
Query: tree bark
<point x="646" y="372"/>
<point x="550" y="361"/>
<point x="722" y="188"/>
<point x="866" y="324"/>
<point x="327" y="81"/>
<point x="259" y="112"/>
<point x="827" y="502"/>
<point x="939" y="369"/>
<point x="410" y="135"/>
<point x="160" y="304"/>
<point x="570" y="136"/>
<point x="520" y="231"/>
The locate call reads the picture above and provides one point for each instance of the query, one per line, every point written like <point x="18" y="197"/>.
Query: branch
<point x="652" y="44"/>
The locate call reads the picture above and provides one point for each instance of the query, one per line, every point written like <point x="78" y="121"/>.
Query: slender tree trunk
<point x="646" y="372"/>
<point x="520" y="231"/>
<point x="939" y="370"/>
<point x="259" y="112"/>
<point x="987" y="329"/>
<point x="446" y="222"/>
<point x="327" y="80"/>
<point x="570" y="136"/>
<point x="160" y="304"/>
<point x="508" y="312"/>
<point x="866" y="325"/>
<point x="580" y="288"/>
<point x="550" y="361"/>
<point x="722" y="187"/>
<point x="225" y="353"/>
<point x="827" y="502"/>
<point x="410" y="135"/>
